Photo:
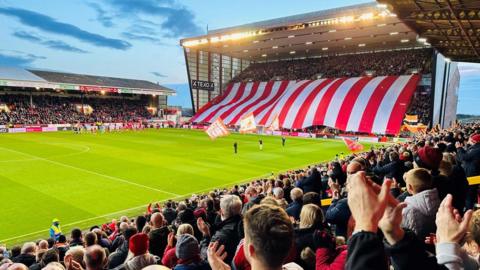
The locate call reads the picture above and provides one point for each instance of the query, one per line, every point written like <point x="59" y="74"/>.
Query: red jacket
<point x="169" y="259"/>
<point x="327" y="259"/>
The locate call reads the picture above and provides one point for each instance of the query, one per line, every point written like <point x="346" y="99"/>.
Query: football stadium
<point x="321" y="140"/>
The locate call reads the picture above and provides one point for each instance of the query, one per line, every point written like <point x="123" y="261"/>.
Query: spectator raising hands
<point x="366" y="205"/>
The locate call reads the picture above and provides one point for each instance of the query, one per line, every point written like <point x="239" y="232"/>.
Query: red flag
<point x="352" y="145"/>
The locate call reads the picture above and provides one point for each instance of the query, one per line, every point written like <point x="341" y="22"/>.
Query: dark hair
<point x="90" y="239"/>
<point x="62" y="239"/>
<point x="129" y="232"/>
<point x="312" y="197"/>
<point x="16" y="251"/>
<point x="271" y="233"/>
<point x="50" y="242"/>
<point x="140" y="222"/>
<point x="49" y="256"/>
<point x="76" y="233"/>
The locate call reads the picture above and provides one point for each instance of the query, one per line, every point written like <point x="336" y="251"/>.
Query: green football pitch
<point x="86" y="179"/>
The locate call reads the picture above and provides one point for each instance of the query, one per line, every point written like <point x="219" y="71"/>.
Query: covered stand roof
<point x="451" y="26"/>
<point x="17" y="77"/>
<point x="350" y="29"/>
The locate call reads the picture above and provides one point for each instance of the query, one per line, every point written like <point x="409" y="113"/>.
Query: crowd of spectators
<point x="400" y="206"/>
<point x="48" y="109"/>
<point x="351" y="65"/>
<point x="420" y="105"/>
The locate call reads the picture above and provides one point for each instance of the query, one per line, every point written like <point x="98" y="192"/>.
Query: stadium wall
<point x="445" y="91"/>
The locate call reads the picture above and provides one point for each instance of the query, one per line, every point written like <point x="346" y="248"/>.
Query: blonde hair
<point x="311" y="215"/>
<point x="475" y="226"/>
<point x="420" y="179"/>
<point x="270" y="201"/>
<point x="185" y="228"/>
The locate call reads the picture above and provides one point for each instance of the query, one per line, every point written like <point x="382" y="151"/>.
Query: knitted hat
<point x="475" y="138"/>
<point x="200" y="212"/>
<point x="187" y="247"/>
<point x="138" y="244"/>
<point x="429" y="158"/>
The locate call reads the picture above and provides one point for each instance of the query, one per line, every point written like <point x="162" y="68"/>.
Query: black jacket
<point x="228" y="233"/>
<point x="409" y="253"/>
<point x="338" y="213"/>
<point x="158" y="241"/>
<point x="366" y="251"/>
<point x="394" y="169"/>
<point x="470" y="159"/>
<point x="312" y="183"/>
<point x="26" y="259"/>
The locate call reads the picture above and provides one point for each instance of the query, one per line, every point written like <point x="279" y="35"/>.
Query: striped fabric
<point x="360" y="104"/>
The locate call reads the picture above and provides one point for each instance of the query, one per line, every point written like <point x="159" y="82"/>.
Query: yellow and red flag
<point x="247" y="124"/>
<point x="217" y="129"/>
<point x="275" y="125"/>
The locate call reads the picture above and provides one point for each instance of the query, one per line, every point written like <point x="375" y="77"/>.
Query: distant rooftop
<point x="18" y="77"/>
<point x="18" y="74"/>
<point x="71" y="78"/>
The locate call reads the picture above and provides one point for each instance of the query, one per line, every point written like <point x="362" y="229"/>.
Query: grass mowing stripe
<point x="91" y="172"/>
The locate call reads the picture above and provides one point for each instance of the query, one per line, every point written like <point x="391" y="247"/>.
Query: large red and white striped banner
<point x="360" y="104"/>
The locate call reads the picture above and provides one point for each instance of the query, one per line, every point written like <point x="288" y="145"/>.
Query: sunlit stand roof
<point x="351" y="29"/>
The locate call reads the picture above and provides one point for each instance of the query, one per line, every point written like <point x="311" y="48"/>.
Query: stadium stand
<point x="283" y="220"/>
<point x="60" y="109"/>
<point x="341" y="99"/>
<point x="34" y="97"/>
<point x="350" y="65"/>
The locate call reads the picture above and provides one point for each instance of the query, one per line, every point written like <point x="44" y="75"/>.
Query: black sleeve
<point x="366" y="251"/>
<point x="409" y="253"/>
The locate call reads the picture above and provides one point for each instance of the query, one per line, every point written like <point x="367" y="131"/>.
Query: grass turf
<point x="86" y="179"/>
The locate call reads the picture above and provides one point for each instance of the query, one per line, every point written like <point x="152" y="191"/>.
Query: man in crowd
<point x="422" y="206"/>
<point x="268" y="240"/>
<point x="27" y="255"/>
<point x="74" y="258"/>
<point x="95" y="258"/>
<point x="158" y="235"/>
<point x="470" y="160"/>
<point x="229" y="231"/>
<point x="295" y="207"/>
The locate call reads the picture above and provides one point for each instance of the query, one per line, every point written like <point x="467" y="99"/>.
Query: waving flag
<point x="247" y="124"/>
<point x="275" y="125"/>
<point x="217" y="129"/>
<point x="352" y="145"/>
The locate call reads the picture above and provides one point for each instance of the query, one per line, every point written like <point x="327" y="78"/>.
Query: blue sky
<point x="140" y="38"/>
